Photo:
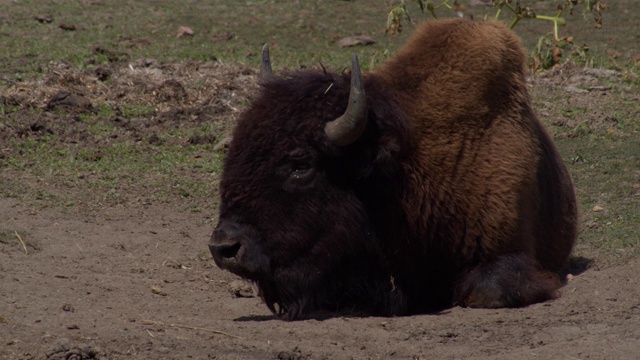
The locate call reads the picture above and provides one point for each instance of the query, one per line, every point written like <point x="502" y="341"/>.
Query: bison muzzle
<point x="424" y="184"/>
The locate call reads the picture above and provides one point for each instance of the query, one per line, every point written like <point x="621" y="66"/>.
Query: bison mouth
<point x="284" y="296"/>
<point x="303" y="292"/>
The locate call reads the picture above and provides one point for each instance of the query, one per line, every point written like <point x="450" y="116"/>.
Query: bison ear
<point x="265" y="65"/>
<point x="347" y="128"/>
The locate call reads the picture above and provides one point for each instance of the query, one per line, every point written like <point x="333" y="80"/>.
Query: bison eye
<point x="298" y="169"/>
<point x="301" y="170"/>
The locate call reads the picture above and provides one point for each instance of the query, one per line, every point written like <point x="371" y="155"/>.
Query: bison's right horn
<point x="347" y="128"/>
<point x="265" y="65"/>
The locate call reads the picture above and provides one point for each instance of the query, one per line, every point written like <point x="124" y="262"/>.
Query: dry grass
<point x="151" y="322"/>
<point x="142" y="83"/>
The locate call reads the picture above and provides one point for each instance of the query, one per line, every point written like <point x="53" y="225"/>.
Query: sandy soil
<point x="137" y="283"/>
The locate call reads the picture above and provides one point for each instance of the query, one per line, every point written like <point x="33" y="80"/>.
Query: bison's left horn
<point x="265" y="65"/>
<point x="347" y="128"/>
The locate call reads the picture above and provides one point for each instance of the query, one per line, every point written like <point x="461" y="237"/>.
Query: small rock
<point x="158" y="290"/>
<point x="241" y="288"/>
<point x="356" y="40"/>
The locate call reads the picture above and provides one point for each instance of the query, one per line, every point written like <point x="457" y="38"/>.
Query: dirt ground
<point x="132" y="279"/>
<point x="128" y="282"/>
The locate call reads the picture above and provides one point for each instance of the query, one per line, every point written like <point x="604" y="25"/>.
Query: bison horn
<point x="265" y="65"/>
<point x="347" y="128"/>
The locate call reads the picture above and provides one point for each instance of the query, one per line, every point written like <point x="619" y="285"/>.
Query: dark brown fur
<point x="455" y="194"/>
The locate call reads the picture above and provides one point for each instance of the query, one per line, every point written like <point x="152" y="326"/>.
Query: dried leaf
<point x="184" y="31"/>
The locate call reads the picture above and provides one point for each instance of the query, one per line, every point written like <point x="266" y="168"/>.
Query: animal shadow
<point x="318" y="315"/>
<point x="255" y="318"/>
<point x="577" y="265"/>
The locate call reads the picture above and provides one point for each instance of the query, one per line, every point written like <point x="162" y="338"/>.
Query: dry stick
<point x="24" y="247"/>
<point x="151" y="322"/>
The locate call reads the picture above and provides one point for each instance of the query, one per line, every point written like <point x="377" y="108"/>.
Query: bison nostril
<point x="229" y="251"/>
<point x="223" y="246"/>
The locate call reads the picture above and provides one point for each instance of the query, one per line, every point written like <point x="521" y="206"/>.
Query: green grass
<point x="162" y="171"/>
<point x="606" y="173"/>
<point x="302" y="33"/>
<point x="148" y="29"/>
<point x="602" y="153"/>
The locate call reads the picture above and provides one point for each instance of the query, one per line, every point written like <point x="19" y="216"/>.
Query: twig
<point x="329" y="88"/>
<point x="151" y="322"/>
<point x="24" y="247"/>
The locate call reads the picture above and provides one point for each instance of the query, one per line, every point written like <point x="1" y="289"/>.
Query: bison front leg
<point x="512" y="280"/>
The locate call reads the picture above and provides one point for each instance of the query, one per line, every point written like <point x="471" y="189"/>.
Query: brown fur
<point x="482" y="156"/>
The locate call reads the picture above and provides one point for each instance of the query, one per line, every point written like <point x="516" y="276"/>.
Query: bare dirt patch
<point x="137" y="283"/>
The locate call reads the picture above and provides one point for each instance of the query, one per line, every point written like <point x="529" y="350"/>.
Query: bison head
<point x="296" y="202"/>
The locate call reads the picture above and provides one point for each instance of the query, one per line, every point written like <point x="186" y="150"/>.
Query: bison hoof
<point x="509" y="281"/>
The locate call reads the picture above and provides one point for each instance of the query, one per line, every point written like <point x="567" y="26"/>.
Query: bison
<point x="425" y="184"/>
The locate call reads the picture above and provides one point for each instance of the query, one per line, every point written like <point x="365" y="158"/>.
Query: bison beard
<point x="424" y="184"/>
